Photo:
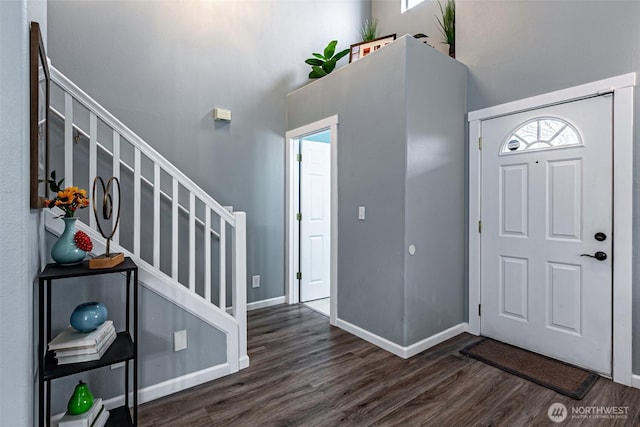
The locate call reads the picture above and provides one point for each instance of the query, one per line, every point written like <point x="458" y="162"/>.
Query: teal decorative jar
<point x="64" y="250"/>
<point x="88" y="316"/>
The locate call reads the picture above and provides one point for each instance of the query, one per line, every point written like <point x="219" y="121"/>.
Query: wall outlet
<point x="180" y="340"/>
<point x="255" y="281"/>
<point x="361" y="213"/>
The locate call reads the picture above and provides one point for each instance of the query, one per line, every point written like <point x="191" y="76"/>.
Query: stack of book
<point x="95" y="417"/>
<point x="71" y="346"/>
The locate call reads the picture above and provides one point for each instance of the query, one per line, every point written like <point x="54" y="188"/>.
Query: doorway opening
<point x="311" y="207"/>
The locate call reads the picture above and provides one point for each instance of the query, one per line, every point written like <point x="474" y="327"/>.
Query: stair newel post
<point x="240" y="280"/>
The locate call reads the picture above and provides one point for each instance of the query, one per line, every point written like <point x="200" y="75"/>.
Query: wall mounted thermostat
<point x="221" y="114"/>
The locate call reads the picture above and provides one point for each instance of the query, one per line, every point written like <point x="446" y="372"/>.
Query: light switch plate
<point x="222" y="114"/>
<point x="180" y="340"/>
<point x="361" y="213"/>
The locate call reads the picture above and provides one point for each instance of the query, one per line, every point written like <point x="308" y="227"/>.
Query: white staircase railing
<point x="200" y="224"/>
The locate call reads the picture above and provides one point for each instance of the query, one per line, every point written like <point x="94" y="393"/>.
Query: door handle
<point x="600" y="256"/>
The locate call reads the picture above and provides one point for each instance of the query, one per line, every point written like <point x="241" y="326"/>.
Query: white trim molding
<point x="635" y="381"/>
<point x="599" y="87"/>
<point x="291" y="229"/>
<point x="174" y="385"/>
<point x="397" y="349"/>
<point x="475" y="184"/>
<point x="261" y="304"/>
<point x="623" y="238"/>
<point x="265" y="303"/>
<point x="622" y="89"/>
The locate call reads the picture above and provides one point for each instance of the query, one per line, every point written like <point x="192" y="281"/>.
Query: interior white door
<point x="315" y="225"/>
<point x="546" y="196"/>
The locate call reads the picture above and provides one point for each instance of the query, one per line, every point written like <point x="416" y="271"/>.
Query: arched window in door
<point x="541" y="133"/>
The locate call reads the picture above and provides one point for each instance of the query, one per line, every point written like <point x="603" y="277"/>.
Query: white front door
<point x="546" y="200"/>
<point x="315" y="225"/>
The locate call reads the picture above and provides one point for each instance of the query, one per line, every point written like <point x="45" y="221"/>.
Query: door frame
<point x="622" y="89"/>
<point x="292" y="292"/>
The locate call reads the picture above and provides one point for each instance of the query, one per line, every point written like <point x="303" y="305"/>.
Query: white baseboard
<point x="243" y="362"/>
<point x="174" y="385"/>
<point x="261" y="304"/>
<point x="265" y="303"/>
<point x="635" y="381"/>
<point x="434" y="340"/>
<point x="398" y="350"/>
<point x="184" y="382"/>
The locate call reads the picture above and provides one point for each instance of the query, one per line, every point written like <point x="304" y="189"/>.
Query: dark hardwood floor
<point x="306" y="373"/>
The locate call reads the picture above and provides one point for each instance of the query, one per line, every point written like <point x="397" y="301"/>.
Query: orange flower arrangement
<point x="68" y="199"/>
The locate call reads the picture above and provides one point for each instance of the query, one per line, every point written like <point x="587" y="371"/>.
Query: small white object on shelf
<point x="101" y="350"/>
<point x="102" y="419"/>
<point x="86" y="419"/>
<point x="79" y="351"/>
<point x="70" y="338"/>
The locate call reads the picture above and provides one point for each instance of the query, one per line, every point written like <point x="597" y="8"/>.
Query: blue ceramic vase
<point x="64" y="250"/>
<point x="88" y="316"/>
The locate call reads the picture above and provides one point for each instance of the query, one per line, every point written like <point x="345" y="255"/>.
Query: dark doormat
<point x="553" y="374"/>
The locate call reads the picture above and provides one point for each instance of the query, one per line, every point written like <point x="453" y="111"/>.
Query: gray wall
<point x="162" y="66"/>
<point x="435" y="196"/>
<point x="543" y="46"/>
<point x="20" y="228"/>
<point x="517" y="49"/>
<point x="396" y="154"/>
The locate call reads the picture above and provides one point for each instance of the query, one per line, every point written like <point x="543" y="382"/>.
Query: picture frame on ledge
<point x="362" y="49"/>
<point x="39" y="119"/>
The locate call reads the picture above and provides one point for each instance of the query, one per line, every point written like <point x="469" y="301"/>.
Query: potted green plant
<point x="369" y="30"/>
<point x="323" y="64"/>
<point x="447" y="25"/>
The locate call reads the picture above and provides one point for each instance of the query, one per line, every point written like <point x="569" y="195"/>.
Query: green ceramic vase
<point x="81" y="400"/>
